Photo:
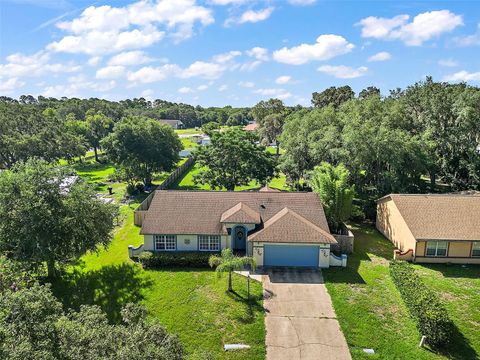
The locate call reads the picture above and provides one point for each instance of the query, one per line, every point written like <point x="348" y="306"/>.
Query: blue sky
<point x="232" y="52"/>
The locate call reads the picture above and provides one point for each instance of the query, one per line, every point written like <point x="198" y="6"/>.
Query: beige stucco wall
<point x="459" y="252"/>
<point x="421" y="245"/>
<point x="459" y="249"/>
<point x="391" y="224"/>
<point x="443" y="260"/>
<point x="323" y="254"/>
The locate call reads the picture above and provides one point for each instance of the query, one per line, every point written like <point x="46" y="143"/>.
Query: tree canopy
<point x="233" y="159"/>
<point x="46" y="219"/>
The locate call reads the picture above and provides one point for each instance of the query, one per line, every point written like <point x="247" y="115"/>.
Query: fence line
<point x="141" y="211"/>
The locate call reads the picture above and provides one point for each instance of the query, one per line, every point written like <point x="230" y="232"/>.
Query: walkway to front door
<point x="300" y="320"/>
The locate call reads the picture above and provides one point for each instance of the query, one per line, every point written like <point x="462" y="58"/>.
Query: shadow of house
<point x="111" y="288"/>
<point x="459" y="347"/>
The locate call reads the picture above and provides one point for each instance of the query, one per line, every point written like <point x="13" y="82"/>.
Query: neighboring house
<point x="176" y="124"/>
<point x="205" y="140"/>
<point x="432" y="228"/>
<point x="277" y="228"/>
<point x="251" y="127"/>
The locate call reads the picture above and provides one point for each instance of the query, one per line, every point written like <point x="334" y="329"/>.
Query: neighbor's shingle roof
<point x="200" y="212"/>
<point x="288" y="226"/>
<point x="440" y="217"/>
<point x="242" y="214"/>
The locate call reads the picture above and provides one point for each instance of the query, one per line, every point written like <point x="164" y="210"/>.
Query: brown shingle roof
<point x="288" y="226"/>
<point x="200" y="212"/>
<point x="241" y="214"/>
<point x="440" y="217"/>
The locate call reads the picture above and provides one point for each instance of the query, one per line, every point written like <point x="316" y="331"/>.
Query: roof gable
<point x="288" y="226"/>
<point x="241" y="214"/>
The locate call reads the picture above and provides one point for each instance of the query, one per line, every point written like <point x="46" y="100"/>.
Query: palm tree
<point x="228" y="262"/>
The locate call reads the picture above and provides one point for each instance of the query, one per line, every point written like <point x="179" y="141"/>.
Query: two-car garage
<point x="290" y="255"/>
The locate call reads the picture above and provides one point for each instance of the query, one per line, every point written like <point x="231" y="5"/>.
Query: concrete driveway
<point x="300" y="320"/>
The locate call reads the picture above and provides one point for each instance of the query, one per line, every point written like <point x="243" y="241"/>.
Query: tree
<point x="143" y="146"/>
<point x="332" y="96"/>
<point x="331" y="183"/>
<point x="98" y="126"/>
<point x="34" y="326"/>
<point x="369" y="91"/>
<point x="228" y="262"/>
<point x="45" y="220"/>
<point x="271" y="128"/>
<point x="233" y="159"/>
<point x="265" y="108"/>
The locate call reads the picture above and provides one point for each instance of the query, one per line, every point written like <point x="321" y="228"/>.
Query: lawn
<point x="192" y="303"/>
<point x="188" y="131"/>
<point x="372" y="313"/>
<point x="186" y="182"/>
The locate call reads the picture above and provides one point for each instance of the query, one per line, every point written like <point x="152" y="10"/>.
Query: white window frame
<point x="437" y="248"/>
<point x="165" y="242"/>
<point x="476" y="248"/>
<point x="212" y="242"/>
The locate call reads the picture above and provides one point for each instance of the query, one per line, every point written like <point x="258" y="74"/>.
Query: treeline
<point x="408" y="141"/>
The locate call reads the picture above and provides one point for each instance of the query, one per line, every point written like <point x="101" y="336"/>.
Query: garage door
<point x="291" y="255"/>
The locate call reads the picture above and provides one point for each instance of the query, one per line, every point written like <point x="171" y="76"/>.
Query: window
<point x="165" y="242"/>
<point x="437" y="248"/>
<point x="208" y="242"/>
<point x="476" y="248"/>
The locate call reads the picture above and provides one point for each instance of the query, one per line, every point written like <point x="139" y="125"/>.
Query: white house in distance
<point x="176" y="124"/>
<point x="276" y="228"/>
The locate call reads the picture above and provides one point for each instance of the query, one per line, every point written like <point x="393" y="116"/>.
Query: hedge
<point x="173" y="259"/>
<point x="423" y="304"/>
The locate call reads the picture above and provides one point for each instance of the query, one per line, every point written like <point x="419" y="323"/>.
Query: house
<point x="277" y="228"/>
<point x="251" y="127"/>
<point x="176" y="124"/>
<point x="432" y="228"/>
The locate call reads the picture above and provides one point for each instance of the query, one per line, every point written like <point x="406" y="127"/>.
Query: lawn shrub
<point x="179" y="258"/>
<point x="423" y="304"/>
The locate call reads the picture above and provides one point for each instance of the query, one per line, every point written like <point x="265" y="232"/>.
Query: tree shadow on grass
<point x="459" y="347"/>
<point x="250" y="306"/>
<point x="111" y="288"/>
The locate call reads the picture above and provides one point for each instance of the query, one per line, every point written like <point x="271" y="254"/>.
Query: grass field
<point x="372" y="313"/>
<point x="186" y="183"/>
<point x="188" y="131"/>
<point x="192" y="303"/>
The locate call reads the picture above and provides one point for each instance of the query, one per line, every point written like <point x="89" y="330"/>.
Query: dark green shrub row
<point x="178" y="258"/>
<point x="423" y="304"/>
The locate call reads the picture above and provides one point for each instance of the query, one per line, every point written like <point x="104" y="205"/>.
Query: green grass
<point x="372" y="313"/>
<point x="192" y="303"/>
<point x="187" y="183"/>
<point x="188" y="131"/>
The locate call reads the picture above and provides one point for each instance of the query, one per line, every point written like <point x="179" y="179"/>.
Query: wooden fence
<point x="141" y="211"/>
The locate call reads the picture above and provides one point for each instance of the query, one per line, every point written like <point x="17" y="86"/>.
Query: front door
<point x="239" y="238"/>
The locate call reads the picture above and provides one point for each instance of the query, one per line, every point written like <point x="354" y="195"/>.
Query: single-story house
<point x="433" y="228"/>
<point x="251" y="127"/>
<point x="277" y="228"/>
<point x="176" y="124"/>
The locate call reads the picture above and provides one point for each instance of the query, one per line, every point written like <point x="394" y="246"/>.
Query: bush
<point x="172" y="259"/>
<point x="423" y="304"/>
<point x="131" y="190"/>
<point x="140" y="187"/>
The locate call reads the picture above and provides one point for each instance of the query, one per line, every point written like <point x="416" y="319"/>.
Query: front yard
<point x="192" y="303"/>
<point x="371" y="311"/>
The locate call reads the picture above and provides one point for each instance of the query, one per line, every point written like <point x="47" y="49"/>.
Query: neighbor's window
<point x="209" y="242"/>
<point x="165" y="242"/>
<point x="476" y="248"/>
<point x="437" y="248"/>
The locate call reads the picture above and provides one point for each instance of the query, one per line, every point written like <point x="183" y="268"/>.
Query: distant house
<point x="432" y="228"/>
<point x="176" y="124"/>
<point x="276" y="228"/>
<point x="251" y="127"/>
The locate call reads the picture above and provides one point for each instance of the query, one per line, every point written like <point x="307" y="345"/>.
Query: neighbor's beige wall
<point x="391" y="224"/>
<point x="421" y="245"/>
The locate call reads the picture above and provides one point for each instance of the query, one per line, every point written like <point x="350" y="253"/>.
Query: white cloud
<point x="77" y="86"/>
<point x="105" y="29"/>
<point x="227" y="2"/>
<point x="463" y="76"/>
<point x="246" y="84"/>
<point x="206" y="70"/>
<point x="469" y="40"/>
<point x="381" y="56"/>
<point x="110" y="72"/>
<point x="226" y="57"/>
<point x="255" y="16"/>
<point x="20" y="65"/>
<point x="148" y="74"/>
<point x="284" y="79"/>
<point x="128" y="58"/>
<point x="202" y="87"/>
<point x="343" y="72"/>
<point x="447" y="63"/>
<point x="223" y="88"/>
<point x="258" y="53"/>
<point x="94" y="61"/>
<point x="423" y="27"/>
<point x="302" y="2"/>
<point x="10" y="84"/>
<point x="185" y="90"/>
<point x="147" y="94"/>
<point x="326" y="47"/>
<point x="281" y="94"/>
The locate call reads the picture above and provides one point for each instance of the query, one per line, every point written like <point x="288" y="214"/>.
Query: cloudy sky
<point x="237" y="52"/>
